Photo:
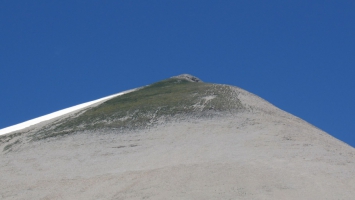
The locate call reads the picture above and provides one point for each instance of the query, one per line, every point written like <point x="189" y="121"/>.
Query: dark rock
<point x="188" y="77"/>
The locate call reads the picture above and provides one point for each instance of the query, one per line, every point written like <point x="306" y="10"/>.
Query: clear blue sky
<point x="298" y="55"/>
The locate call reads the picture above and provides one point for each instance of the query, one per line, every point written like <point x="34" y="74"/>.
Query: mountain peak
<point x="220" y="140"/>
<point x="188" y="77"/>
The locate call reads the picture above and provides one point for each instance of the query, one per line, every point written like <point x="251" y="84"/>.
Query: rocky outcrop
<point x="188" y="77"/>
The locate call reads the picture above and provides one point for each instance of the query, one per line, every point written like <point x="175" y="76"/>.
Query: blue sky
<point x="298" y="55"/>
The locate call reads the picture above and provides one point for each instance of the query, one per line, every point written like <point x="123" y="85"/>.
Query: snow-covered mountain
<point x="179" y="138"/>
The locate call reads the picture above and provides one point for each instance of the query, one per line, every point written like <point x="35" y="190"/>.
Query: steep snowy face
<point x="176" y="98"/>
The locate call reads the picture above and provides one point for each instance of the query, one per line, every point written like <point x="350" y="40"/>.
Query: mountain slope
<point x="171" y="99"/>
<point x="56" y="114"/>
<point x="179" y="138"/>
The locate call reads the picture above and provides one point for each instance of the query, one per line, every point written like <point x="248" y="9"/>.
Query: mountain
<point x="179" y="138"/>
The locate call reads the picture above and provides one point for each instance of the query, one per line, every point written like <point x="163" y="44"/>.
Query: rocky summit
<point x="178" y="138"/>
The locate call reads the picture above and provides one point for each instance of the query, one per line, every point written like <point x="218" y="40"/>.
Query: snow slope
<point x="59" y="113"/>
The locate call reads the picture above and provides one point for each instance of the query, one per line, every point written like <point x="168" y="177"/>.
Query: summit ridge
<point x="188" y="77"/>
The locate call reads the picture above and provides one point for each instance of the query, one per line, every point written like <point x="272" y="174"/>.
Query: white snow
<point x="57" y="114"/>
